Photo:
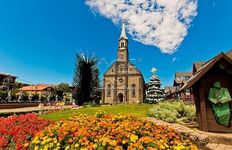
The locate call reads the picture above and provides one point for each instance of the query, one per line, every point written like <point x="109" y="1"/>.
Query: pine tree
<point x="154" y="93"/>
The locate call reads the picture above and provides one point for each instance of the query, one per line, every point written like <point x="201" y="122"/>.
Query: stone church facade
<point x="123" y="82"/>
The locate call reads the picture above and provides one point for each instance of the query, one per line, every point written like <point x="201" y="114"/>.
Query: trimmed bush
<point x="178" y="112"/>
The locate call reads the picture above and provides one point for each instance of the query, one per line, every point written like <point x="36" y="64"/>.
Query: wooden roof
<point x="183" y="74"/>
<point x="170" y="89"/>
<point x="38" y="87"/>
<point x="229" y="53"/>
<point x="201" y="71"/>
<point x="198" y="65"/>
<point x="5" y="75"/>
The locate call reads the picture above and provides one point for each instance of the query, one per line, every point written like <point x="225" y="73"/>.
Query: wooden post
<point x="202" y="99"/>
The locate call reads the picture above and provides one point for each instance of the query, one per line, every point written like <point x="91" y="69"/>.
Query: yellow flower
<point x="113" y="143"/>
<point x="57" y="148"/>
<point x="77" y="145"/>
<point x="95" y="146"/>
<point x="45" y="148"/>
<point x="179" y="147"/>
<point x="133" y="138"/>
<point x="124" y="142"/>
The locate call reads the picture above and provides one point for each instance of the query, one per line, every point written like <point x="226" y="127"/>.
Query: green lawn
<point x="139" y="110"/>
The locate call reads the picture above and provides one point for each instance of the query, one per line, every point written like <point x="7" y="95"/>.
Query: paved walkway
<point x="30" y="109"/>
<point x="206" y="140"/>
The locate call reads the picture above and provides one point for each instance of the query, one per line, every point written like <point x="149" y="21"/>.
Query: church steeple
<point x="123" y="45"/>
<point x="123" y="32"/>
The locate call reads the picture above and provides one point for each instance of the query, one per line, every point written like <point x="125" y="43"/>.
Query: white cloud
<point x="160" y="23"/>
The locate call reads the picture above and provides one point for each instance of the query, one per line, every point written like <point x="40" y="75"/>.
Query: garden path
<point x="206" y="140"/>
<point x="30" y="109"/>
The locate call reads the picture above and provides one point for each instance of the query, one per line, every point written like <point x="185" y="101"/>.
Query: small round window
<point x="121" y="68"/>
<point x="120" y="80"/>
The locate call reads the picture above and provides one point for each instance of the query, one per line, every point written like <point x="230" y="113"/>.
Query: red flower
<point x="20" y="129"/>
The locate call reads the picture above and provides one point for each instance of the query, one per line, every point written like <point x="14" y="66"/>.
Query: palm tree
<point x="85" y="79"/>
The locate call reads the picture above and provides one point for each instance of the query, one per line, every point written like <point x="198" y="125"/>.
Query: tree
<point x="63" y="87"/>
<point x="85" y="79"/>
<point x="7" y="84"/>
<point x="154" y="93"/>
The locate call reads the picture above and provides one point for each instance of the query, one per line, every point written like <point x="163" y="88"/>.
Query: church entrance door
<point x="120" y="97"/>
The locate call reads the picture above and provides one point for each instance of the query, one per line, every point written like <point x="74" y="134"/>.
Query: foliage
<point x="18" y="85"/>
<point x="91" y="104"/>
<point x="154" y="93"/>
<point x="108" y="132"/>
<point x="63" y="87"/>
<point x="8" y="83"/>
<point x="3" y="94"/>
<point x="85" y="80"/>
<point x="179" y="112"/>
<point x="135" y="110"/>
<point x="17" y="130"/>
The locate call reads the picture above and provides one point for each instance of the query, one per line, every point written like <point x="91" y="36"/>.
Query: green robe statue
<point x="220" y="98"/>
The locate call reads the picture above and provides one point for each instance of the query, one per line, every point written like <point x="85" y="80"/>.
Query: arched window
<point x="122" y="44"/>
<point x="133" y="88"/>
<point x="108" y="90"/>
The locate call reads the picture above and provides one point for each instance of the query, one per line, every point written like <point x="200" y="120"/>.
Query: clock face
<point x="120" y="80"/>
<point x="121" y="68"/>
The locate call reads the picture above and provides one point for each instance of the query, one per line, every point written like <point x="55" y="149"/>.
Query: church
<point x="123" y="82"/>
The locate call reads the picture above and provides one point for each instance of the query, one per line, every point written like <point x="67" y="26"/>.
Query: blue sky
<point x="39" y="39"/>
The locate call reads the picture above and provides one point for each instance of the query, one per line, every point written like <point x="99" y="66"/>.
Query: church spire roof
<point x="123" y="32"/>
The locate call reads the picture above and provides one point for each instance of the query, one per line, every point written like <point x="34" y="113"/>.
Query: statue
<point x="9" y="96"/>
<point x="220" y="98"/>
<point x="20" y="96"/>
<point x="40" y="97"/>
<point x="48" y="97"/>
<point x="64" y="98"/>
<point x="30" y="97"/>
<point x="57" y="98"/>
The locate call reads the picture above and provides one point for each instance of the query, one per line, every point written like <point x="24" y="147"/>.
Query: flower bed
<point x="108" y="132"/>
<point x="15" y="131"/>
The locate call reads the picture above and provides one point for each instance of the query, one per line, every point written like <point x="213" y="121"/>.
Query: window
<point x="133" y="90"/>
<point x="122" y="44"/>
<point x="121" y="68"/>
<point x="108" y="90"/>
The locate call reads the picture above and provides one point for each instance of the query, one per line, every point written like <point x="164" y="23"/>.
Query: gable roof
<point x="198" y="65"/>
<point x="229" y="53"/>
<point x="183" y="74"/>
<point x="6" y="75"/>
<point x="201" y="71"/>
<point x="38" y="87"/>
<point x="170" y="89"/>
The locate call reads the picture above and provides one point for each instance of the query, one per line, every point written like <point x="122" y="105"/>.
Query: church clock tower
<point x="123" y="82"/>
<point x="123" y="46"/>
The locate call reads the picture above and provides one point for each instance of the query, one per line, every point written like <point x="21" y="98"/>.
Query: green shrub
<point x="90" y="104"/>
<point x="3" y="94"/>
<point x="178" y="112"/>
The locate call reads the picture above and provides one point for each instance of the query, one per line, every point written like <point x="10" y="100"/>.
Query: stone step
<point x="214" y="146"/>
<point x="202" y="139"/>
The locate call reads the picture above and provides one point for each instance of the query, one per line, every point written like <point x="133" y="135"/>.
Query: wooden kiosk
<point x="218" y="69"/>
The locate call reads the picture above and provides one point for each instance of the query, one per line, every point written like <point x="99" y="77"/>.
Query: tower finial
<point x="123" y="32"/>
